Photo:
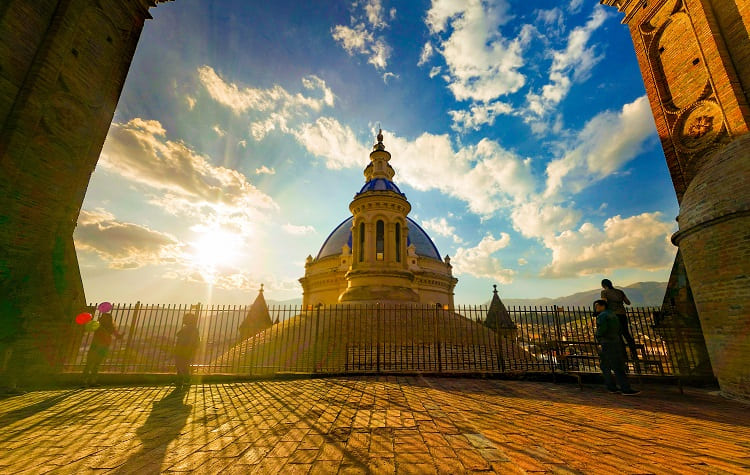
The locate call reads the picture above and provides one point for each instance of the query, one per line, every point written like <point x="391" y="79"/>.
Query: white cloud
<point x="638" y="242"/>
<point x="434" y="71"/>
<point x="190" y="101"/>
<point x="440" y="226"/>
<point x="375" y="15"/>
<point x="182" y="180"/>
<point x="605" y="144"/>
<point x="522" y="261"/>
<point x="275" y="98"/>
<point x="123" y="245"/>
<point x="359" y="36"/>
<point x="219" y="131"/>
<point x="242" y="143"/>
<point x="478" y="115"/>
<point x="575" y="6"/>
<point x="426" y="54"/>
<point x="358" y="40"/>
<point x="479" y="262"/>
<point x="336" y="143"/>
<point x="485" y="176"/>
<point x="298" y="230"/>
<point x="573" y="64"/>
<point x="539" y="219"/>
<point x="264" y="170"/>
<point x="482" y="64"/>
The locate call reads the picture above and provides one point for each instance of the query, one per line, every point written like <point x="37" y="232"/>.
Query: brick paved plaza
<point x="373" y="425"/>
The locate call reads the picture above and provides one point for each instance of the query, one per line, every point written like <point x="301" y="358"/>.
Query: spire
<point x="257" y="318"/>
<point x="379" y="145"/>
<point x="379" y="157"/>
<point x="497" y="315"/>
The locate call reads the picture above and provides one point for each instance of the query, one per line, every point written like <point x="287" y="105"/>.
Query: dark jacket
<point x="187" y="342"/>
<point x="607" y="327"/>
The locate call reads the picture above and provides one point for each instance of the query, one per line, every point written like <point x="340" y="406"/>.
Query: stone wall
<point x="62" y="67"/>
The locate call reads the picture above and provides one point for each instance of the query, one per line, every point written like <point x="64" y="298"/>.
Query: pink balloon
<point x="83" y="318"/>
<point x="104" y="307"/>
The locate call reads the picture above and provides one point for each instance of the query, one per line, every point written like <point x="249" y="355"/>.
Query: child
<point x="184" y="351"/>
<point x="99" y="348"/>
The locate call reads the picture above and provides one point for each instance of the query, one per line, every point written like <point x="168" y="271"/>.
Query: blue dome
<point x="343" y="235"/>
<point x="380" y="184"/>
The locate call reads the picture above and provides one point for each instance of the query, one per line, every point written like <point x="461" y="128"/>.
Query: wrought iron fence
<point x="376" y="339"/>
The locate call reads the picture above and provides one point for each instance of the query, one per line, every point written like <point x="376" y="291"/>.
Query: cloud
<point x="573" y="64"/>
<point x="482" y="64"/>
<point x="486" y="176"/>
<point x="638" y="242"/>
<point x="522" y="261"/>
<point x="427" y="52"/>
<point x="539" y="219"/>
<point x="182" y="181"/>
<point x="434" y="71"/>
<point x="606" y="143"/>
<point x="478" y="261"/>
<point x="440" y="226"/>
<point x="336" y="143"/>
<point x="219" y="131"/>
<point x="478" y="115"/>
<point x="375" y="14"/>
<point x="242" y="143"/>
<point x="359" y="37"/>
<point x="123" y="245"/>
<point x="298" y="230"/>
<point x="190" y="101"/>
<point x="575" y="6"/>
<point x="264" y="170"/>
<point x="275" y="98"/>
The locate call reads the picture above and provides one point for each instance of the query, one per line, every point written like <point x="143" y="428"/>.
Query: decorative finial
<point x="380" y="136"/>
<point x="261" y="288"/>
<point x="494" y="287"/>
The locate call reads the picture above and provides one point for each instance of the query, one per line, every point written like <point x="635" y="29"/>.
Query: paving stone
<point x="373" y="425"/>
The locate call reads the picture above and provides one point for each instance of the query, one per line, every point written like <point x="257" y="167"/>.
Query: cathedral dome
<point x="380" y="184"/>
<point x="343" y="235"/>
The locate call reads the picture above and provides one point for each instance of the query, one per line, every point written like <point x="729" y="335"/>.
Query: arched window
<point x="398" y="242"/>
<point x="361" y="242"/>
<point x="380" y="241"/>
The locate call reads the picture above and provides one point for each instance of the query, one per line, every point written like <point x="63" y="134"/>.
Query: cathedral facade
<point x="378" y="254"/>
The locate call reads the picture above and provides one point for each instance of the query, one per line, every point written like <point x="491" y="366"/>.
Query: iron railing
<point x="374" y="339"/>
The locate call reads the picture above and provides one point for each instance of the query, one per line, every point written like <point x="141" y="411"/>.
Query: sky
<point x="519" y="131"/>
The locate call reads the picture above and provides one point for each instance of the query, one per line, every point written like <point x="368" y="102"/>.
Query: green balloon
<point x="91" y="326"/>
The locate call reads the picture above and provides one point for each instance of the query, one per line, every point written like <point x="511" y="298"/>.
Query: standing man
<point x="616" y="301"/>
<point x="611" y="356"/>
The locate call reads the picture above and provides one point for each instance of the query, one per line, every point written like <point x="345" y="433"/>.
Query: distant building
<point x="378" y="254"/>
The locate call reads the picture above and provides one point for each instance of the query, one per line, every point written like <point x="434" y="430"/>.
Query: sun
<point x="215" y="248"/>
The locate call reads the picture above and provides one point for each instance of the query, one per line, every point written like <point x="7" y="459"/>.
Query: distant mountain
<point x="280" y="303"/>
<point x="641" y="294"/>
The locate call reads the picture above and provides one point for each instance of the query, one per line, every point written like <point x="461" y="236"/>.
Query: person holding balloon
<point x="99" y="347"/>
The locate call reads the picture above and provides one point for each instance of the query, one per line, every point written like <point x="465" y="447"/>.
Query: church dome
<point x="380" y="184"/>
<point x="343" y="235"/>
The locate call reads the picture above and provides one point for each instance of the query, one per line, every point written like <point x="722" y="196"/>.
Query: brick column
<point x="63" y="64"/>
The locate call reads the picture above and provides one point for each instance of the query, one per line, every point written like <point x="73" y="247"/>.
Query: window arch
<point x="380" y="240"/>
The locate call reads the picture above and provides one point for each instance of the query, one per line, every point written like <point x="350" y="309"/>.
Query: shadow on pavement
<point x="164" y="424"/>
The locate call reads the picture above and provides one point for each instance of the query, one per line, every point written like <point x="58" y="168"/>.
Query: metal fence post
<point x="377" y="336"/>
<point x="315" y="341"/>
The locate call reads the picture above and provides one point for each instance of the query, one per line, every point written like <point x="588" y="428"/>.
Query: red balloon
<point x="83" y="318"/>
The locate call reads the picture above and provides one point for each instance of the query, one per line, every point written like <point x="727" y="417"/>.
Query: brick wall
<point x="62" y="67"/>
